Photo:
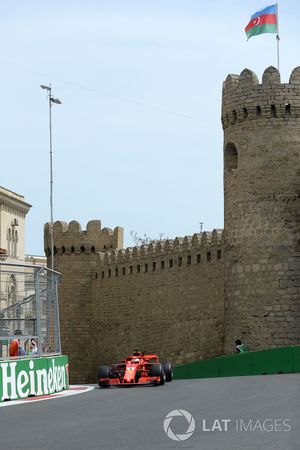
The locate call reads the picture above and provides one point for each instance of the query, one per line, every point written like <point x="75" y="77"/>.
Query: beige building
<point x="16" y="283"/>
<point x="13" y="210"/>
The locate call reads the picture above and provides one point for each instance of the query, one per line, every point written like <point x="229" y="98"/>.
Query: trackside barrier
<point x="21" y="378"/>
<point x="263" y="362"/>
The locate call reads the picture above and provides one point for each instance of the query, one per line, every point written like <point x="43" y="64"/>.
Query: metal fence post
<point x="56" y="317"/>
<point x="38" y="310"/>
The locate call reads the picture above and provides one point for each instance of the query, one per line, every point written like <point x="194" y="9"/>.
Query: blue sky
<point x="138" y="138"/>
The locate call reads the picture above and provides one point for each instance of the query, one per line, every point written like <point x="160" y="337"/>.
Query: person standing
<point x="240" y="346"/>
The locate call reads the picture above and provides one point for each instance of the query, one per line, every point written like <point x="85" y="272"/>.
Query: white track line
<point x="73" y="390"/>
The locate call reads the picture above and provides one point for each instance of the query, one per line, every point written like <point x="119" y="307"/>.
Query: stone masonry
<point x="262" y="208"/>
<point x="165" y="297"/>
<point x="191" y="297"/>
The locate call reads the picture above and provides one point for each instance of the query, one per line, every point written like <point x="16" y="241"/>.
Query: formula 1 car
<point x="138" y="369"/>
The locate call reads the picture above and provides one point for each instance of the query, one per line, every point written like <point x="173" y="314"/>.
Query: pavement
<point x="238" y="413"/>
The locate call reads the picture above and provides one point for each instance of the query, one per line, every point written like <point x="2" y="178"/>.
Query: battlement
<point x="166" y="249"/>
<point x="70" y="238"/>
<point x="244" y="98"/>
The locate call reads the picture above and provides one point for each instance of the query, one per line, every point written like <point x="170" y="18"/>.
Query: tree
<point x="145" y="240"/>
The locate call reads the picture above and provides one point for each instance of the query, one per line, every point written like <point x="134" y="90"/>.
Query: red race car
<point x="138" y="369"/>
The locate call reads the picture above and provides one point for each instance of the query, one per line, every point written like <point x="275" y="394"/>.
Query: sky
<point x="137" y="140"/>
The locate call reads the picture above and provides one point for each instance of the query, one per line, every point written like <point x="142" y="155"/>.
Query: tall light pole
<point x="58" y="102"/>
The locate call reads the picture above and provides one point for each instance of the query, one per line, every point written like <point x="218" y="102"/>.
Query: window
<point x="162" y="265"/>
<point x="63" y="250"/>
<point x="288" y="110"/>
<point x="15" y="252"/>
<point x="258" y="111"/>
<point x="93" y="250"/>
<point x="273" y="111"/>
<point x="138" y="268"/>
<point x="154" y="266"/>
<point x="123" y="271"/>
<point x="109" y="273"/>
<point x="12" y="289"/>
<point x="131" y="269"/>
<point x="171" y="263"/>
<point x="116" y="272"/>
<point x="179" y="261"/>
<point x="245" y="112"/>
<point x="102" y="275"/>
<point x="9" y="241"/>
<point x="198" y="259"/>
<point x="219" y="254"/>
<point x="72" y="249"/>
<point x="189" y="260"/>
<point x="230" y="157"/>
<point x="208" y="256"/>
<point x="12" y="242"/>
<point x="146" y="267"/>
<point x="82" y="249"/>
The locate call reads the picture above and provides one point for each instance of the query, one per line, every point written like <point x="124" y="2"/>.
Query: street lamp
<point x="58" y="102"/>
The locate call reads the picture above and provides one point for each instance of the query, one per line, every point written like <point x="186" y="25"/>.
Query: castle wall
<point x="165" y="298"/>
<point x="262" y="204"/>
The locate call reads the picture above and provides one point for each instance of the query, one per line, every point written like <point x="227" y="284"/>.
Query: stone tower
<point x="261" y="125"/>
<point x="75" y="255"/>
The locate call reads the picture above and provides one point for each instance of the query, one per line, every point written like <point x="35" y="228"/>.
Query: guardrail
<point x="263" y="362"/>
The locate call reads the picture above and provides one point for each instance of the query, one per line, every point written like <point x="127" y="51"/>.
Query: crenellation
<point x="244" y="97"/>
<point x="247" y="80"/>
<point x="271" y="77"/>
<point x="74" y="228"/>
<point x="128" y="254"/>
<point x="159" y="249"/>
<point x="70" y="238"/>
<point x="204" y="238"/>
<point x="164" y="249"/>
<point x="94" y="226"/>
<point x="295" y="77"/>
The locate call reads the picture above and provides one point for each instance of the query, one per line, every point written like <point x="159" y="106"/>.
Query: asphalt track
<point x="132" y="418"/>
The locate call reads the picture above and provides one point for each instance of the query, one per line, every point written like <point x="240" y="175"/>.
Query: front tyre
<point x="167" y="368"/>
<point x="156" y="370"/>
<point x="104" y="372"/>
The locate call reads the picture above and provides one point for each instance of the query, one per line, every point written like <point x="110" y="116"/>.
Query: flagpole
<point x="277" y="39"/>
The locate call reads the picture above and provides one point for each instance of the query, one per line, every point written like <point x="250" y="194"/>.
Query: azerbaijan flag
<point x="263" y="21"/>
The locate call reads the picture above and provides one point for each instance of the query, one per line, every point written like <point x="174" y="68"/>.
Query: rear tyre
<point x="104" y="372"/>
<point x="156" y="370"/>
<point x="168" y="371"/>
<point x="104" y="385"/>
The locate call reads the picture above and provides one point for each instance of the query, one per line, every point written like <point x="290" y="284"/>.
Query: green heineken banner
<point x="33" y="377"/>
